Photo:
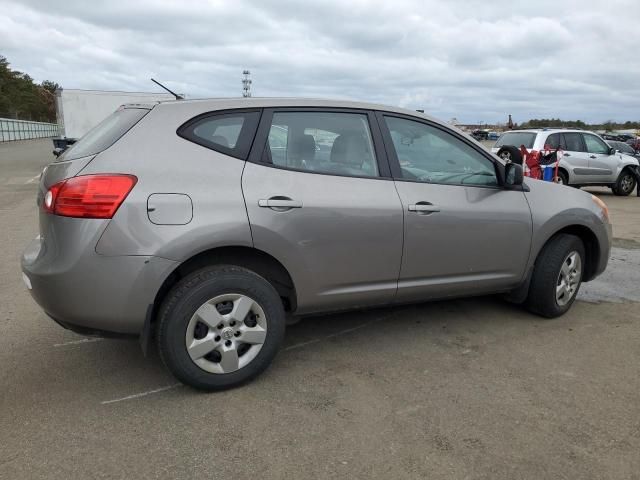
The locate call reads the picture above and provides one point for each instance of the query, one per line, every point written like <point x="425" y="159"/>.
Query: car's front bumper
<point x="93" y="293"/>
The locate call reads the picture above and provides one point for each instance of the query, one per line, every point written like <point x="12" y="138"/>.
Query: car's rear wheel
<point x="562" y="178"/>
<point x="557" y="276"/>
<point x="625" y="183"/>
<point x="220" y="327"/>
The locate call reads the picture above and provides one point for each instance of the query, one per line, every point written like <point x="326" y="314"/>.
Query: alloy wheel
<point x="626" y="184"/>
<point x="569" y="278"/>
<point x="226" y="333"/>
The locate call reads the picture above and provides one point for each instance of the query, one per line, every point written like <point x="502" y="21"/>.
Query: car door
<point x="463" y="232"/>
<point x="576" y="159"/>
<point x="322" y="202"/>
<point x="602" y="165"/>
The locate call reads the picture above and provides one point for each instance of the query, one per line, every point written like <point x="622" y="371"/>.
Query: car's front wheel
<point x="220" y="327"/>
<point x="557" y="276"/>
<point x="625" y="184"/>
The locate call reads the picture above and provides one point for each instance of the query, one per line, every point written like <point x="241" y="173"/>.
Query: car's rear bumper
<point x="93" y="293"/>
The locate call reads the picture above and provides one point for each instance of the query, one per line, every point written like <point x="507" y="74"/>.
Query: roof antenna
<point x="178" y="97"/>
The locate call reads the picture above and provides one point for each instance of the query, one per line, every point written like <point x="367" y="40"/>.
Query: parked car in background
<point x="624" y="148"/>
<point x="240" y="221"/>
<point x="587" y="159"/>
<point x="618" y="137"/>
<point x="635" y="143"/>
<point x="625" y="137"/>
<point x="480" y="134"/>
<point x="493" y="136"/>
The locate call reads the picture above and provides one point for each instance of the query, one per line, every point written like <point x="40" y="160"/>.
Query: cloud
<point x="474" y="60"/>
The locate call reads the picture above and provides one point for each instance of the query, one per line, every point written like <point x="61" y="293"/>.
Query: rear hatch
<point x="516" y="139"/>
<point x="80" y="154"/>
<point x="57" y="230"/>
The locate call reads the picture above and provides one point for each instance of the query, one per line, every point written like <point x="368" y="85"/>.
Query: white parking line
<point x="333" y="335"/>
<point x="143" y="394"/>
<point x="78" y="342"/>
<point x="31" y="180"/>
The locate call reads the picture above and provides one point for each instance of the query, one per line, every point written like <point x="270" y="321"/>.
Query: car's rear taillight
<point x="88" y="196"/>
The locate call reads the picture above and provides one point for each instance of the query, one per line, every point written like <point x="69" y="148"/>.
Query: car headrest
<point x="301" y="148"/>
<point x="350" y="149"/>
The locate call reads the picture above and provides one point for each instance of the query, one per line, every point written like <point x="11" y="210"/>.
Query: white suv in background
<point x="586" y="160"/>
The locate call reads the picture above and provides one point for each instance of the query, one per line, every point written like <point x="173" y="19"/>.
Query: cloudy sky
<point x="476" y="60"/>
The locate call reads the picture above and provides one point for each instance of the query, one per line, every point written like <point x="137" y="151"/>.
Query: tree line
<point x="608" y="126"/>
<point x="23" y="99"/>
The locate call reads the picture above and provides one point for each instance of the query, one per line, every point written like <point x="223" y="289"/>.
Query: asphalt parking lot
<point x="460" y="389"/>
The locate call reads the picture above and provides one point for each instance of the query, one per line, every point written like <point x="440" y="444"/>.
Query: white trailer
<point x="78" y="111"/>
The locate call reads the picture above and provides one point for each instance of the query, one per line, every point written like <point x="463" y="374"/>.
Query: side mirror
<point x="612" y="151"/>
<point x="57" y="152"/>
<point x="513" y="174"/>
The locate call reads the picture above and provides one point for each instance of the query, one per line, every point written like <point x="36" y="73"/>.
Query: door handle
<point x="566" y="155"/>
<point x="279" y="203"/>
<point x="593" y="156"/>
<point x="423" y="207"/>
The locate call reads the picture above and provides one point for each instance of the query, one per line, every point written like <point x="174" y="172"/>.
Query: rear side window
<point x="574" y="142"/>
<point x="555" y="141"/>
<point x="230" y="133"/>
<point x="334" y="143"/>
<point x="517" y="139"/>
<point x="105" y="133"/>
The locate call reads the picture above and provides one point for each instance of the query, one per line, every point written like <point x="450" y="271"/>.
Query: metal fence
<point x="11" y="130"/>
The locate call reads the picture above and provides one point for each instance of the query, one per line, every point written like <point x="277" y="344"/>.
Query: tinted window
<point x="105" y="134"/>
<point x="555" y="141"/>
<point x="229" y="133"/>
<point x="322" y="142"/>
<point x="517" y="139"/>
<point x="221" y="131"/>
<point x="428" y="154"/>
<point x="595" y="145"/>
<point x="574" y="142"/>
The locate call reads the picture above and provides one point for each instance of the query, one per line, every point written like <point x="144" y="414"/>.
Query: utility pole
<point x="246" y="83"/>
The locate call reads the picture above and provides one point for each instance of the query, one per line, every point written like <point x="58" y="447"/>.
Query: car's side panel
<point x="549" y="216"/>
<point x="168" y="164"/>
<point x="477" y="242"/>
<point x="342" y="246"/>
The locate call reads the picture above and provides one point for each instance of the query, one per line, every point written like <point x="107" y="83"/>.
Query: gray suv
<point x="206" y="224"/>
<point x="586" y="158"/>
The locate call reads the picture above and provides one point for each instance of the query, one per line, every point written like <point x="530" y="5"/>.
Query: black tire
<point x="562" y="177"/>
<point x="192" y="292"/>
<point x="625" y="184"/>
<point x="510" y="153"/>
<point x="546" y="272"/>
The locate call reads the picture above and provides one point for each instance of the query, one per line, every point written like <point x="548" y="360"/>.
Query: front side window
<point x="573" y="142"/>
<point x="229" y="133"/>
<point x="323" y="142"/>
<point x="429" y="154"/>
<point x="595" y="145"/>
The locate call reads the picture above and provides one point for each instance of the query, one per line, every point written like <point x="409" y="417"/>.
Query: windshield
<point x="105" y="133"/>
<point x="517" y="139"/>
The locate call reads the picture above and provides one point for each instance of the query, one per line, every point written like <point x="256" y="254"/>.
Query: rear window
<point x="105" y="133"/>
<point x="517" y="139"/>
